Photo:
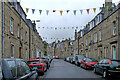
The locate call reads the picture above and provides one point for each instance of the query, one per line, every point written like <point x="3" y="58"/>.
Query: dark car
<point x="45" y="60"/>
<point x="88" y="63"/>
<point x="108" y="68"/>
<point x="16" y="69"/>
<point x="78" y="59"/>
<point x="38" y="65"/>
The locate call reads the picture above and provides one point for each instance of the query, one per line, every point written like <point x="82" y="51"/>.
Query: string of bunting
<point x="57" y="38"/>
<point x="56" y="28"/>
<point x="61" y="11"/>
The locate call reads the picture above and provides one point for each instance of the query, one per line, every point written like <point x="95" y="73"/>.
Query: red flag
<point x="20" y="7"/>
<point x="87" y="11"/>
<point x="54" y="10"/>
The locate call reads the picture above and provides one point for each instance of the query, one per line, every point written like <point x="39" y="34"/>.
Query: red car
<point x="56" y="57"/>
<point x="88" y="63"/>
<point x="38" y="65"/>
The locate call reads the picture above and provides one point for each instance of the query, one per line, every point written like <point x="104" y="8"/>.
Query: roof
<point x="34" y="59"/>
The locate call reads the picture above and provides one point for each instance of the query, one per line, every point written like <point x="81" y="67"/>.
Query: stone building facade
<point x="102" y="39"/>
<point x="21" y="39"/>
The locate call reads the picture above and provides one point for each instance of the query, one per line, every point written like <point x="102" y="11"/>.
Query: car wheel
<point x="105" y="74"/>
<point x="94" y="70"/>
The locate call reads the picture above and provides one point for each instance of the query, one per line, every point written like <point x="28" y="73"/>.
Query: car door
<point x="104" y="65"/>
<point x="98" y="66"/>
<point x="23" y="71"/>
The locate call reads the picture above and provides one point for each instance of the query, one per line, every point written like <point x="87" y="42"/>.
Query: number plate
<point x="118" y="68"/>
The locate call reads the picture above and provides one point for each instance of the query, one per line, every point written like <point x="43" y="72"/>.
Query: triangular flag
<point x="20" y="7"/>
<point x="87" y="11"/>
<point x="76" y="27"/>
<point x="55" y="28"/>
<point x="47" y="11"/>
<point x="61" y="12"/>
<point x="40" y="11"/>
<point x="107" y="7"/>
<point x="81" y="11"/>
<point x="94" y="9"/>
<point x="43" y="27"/>
<point x="38" y="27"/>
<point x="68" y="11"/>
<point x="72" y="27"/>
<point x="33" y="10"/>
<point x="100" y="8"/>
<point x="6" y="4"/>
<point x="64" y="27"/>
<point x="60" y="27"/>
<point x="74" y="12"/>
<point x="54" y="10"/>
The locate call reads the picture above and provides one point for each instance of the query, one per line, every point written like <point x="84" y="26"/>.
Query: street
<point x="61" y="69"/>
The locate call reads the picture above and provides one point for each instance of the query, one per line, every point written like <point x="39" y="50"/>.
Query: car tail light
<point x="109" y="62"/>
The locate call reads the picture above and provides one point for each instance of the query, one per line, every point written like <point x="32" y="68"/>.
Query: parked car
<point x="108" y="67"/>
<point x="56" y="57"/>
<point x="78" y="59"/>
<point x="38" y="65"/>
<point x="88" y="63"/>
<point x="67" y="59"/>
<point x="45" y="60"/>
<point x="73" y="60"/>
<point x="16" y="69"/>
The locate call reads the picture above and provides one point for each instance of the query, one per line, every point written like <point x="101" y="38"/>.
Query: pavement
<point x="64" y="70"/>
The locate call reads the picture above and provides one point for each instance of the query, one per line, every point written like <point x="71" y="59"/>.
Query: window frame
<point x="11" y="25"/>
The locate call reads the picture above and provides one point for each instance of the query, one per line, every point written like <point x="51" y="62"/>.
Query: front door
<point x="20" y="52"/>
<point x="114" y="52"/>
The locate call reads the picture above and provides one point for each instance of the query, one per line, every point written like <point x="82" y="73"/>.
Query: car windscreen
<point x="33" y="62"/>
<point x="81" y="57"/>
<point x="115" y="63"/>
<point x="91" y="60"/>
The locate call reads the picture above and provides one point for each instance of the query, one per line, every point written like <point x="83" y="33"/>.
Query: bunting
<point x="94" y="9"/>
<point x="68" y="11"/>
<point x="54" y="10"/>
<point x="61" y="12"/>
<point x="47" y="12"/>
<point x="33" y="10"/>
<point x="74" y="12"/>
<point x="40" y="11"/>
<point x="87" y="11"/>
<point x="81" y="11"/>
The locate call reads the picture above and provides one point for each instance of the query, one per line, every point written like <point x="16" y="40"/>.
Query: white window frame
<point x="11" y="25"/>
<point x="114" y="28"/>
<point x="12" y="50"/>
<point x="100" y="35"/>
<point x="95" y="37"/>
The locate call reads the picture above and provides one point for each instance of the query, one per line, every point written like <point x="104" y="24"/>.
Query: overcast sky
<point x="56" y="20"/>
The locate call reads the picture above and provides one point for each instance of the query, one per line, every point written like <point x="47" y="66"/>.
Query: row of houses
<point x="100" y="38"/>
<point x="18" y="36"/>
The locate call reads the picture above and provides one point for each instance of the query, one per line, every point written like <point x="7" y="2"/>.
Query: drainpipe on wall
<point x="2" y="28"/>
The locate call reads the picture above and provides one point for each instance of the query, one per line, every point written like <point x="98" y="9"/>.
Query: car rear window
<point x="33" y="62"/>
<point x="116" y="63"/>
<point x="92" y="60"/>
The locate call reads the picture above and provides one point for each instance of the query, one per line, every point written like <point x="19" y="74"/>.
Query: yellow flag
<point x="61" y="12"/>
<point x="27" y="9"/>
<point x="94" y="10"/>
<point x="38" y="27"/>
